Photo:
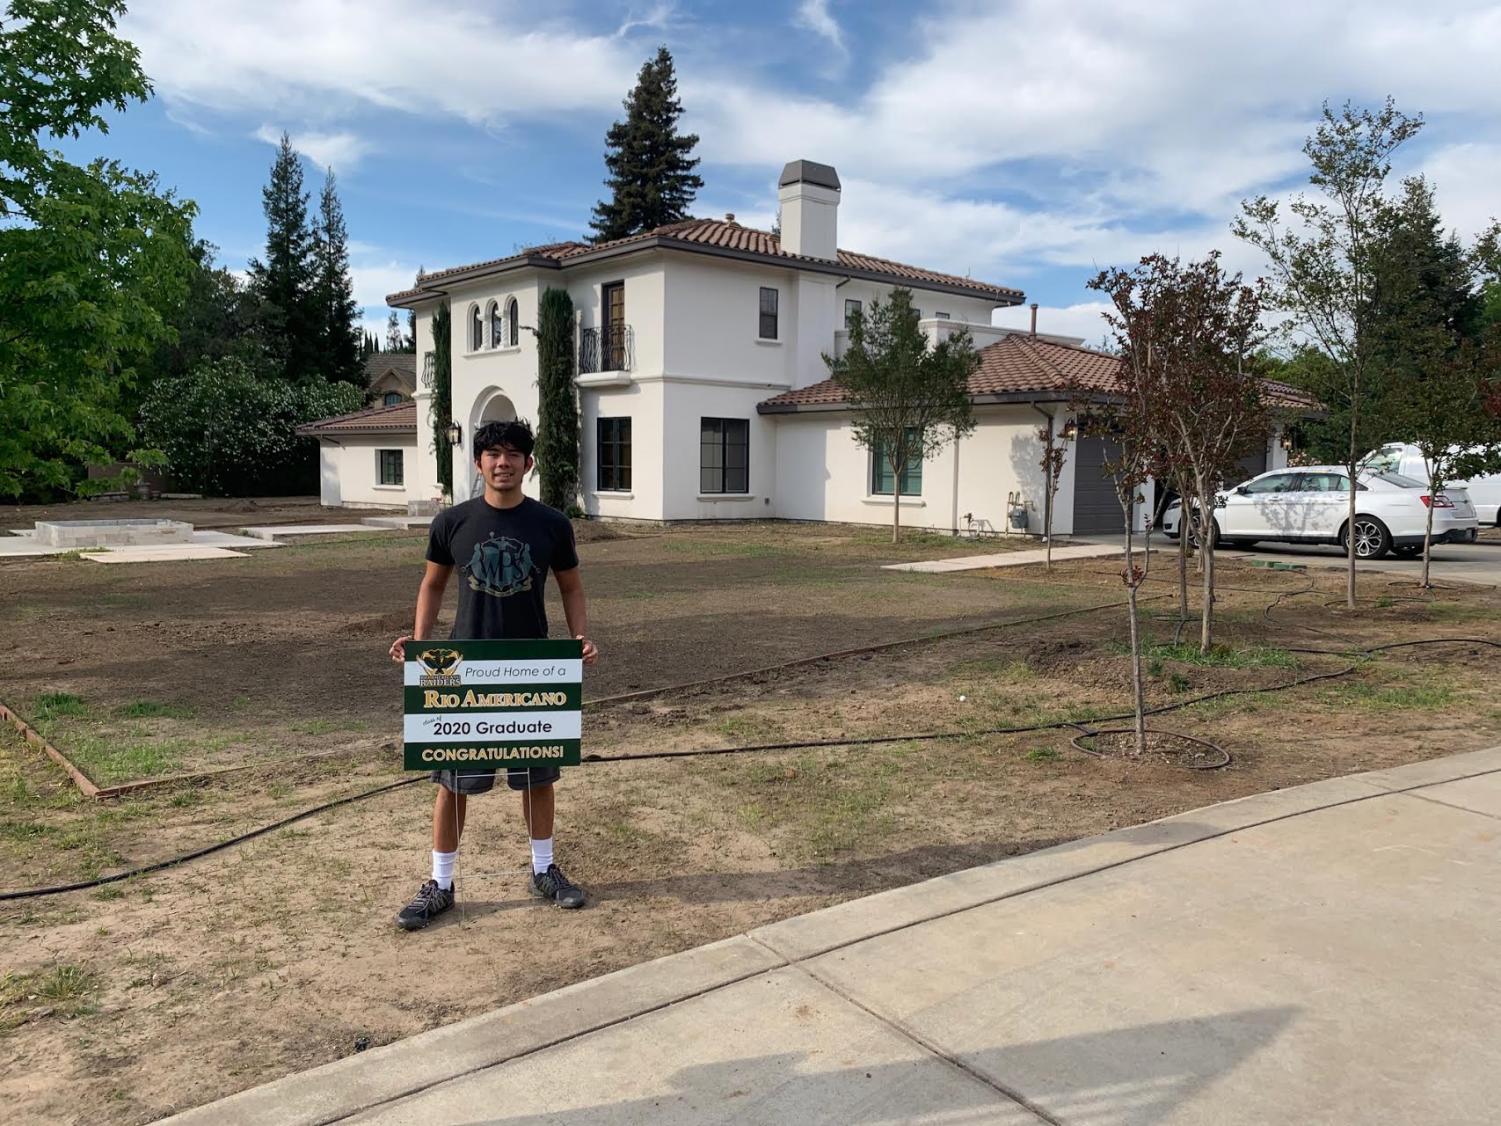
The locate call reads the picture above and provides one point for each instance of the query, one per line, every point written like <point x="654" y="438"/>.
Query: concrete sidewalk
<point x="1062" y="551"/>
<point x="1320" y="954"/>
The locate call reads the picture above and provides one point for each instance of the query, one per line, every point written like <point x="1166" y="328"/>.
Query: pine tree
<point x="394" y="338"/>
<point x="284" y="281"/>
<point x="411" y="340"/>
<point x="652" y="181"/>
<point x="337" y="313"/>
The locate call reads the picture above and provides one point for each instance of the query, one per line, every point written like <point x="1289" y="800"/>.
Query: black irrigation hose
<point x="147" y="869"/>
<point x="1085" y="728"/>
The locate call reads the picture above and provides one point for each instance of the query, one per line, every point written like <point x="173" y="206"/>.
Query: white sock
<point x="541" y="855"/>
<point x="443" y="868"/>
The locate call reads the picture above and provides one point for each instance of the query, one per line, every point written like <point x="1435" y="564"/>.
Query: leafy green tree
<point x="909" y="400"/>
<point x="1430" y="344"/>
<point x="440" y="407"/>
<point x="91" y="258"/>
<point x="1323" y="268"/>
<point x="286" y="279"/>
<point x="333" y="290"/>
<point x="229" y="431"/>
<point x="557" y="407"/>
<point x="651" y="180"/>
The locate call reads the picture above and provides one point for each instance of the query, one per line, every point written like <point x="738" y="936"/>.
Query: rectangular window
<point x="724" y="455"/>
<point x="388" y="467"/>
<point x="851" y="310"/>
<point x="614" y="454"/>
<point x="881" y="474"/>
<point x="917" y="311"/>
<point x="942" y="316"/>
<point x="768" y="313"/>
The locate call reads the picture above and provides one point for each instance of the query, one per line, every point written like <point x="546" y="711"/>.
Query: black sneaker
<point x="430" y="902"/>
<point x="553" y="885"/>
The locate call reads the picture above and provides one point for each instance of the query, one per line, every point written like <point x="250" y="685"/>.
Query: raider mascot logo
<point x="500" y="566"/>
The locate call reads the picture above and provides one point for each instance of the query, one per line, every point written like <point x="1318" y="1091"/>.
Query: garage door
<point x="1096" y="508"/>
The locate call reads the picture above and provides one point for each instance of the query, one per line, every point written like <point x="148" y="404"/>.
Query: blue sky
<point x="1025" y="143"/>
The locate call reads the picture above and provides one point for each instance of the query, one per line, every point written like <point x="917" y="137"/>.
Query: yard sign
<point x="487" y="705"/>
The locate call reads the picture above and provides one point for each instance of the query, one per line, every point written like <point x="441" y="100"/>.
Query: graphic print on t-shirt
<point x="500" y="566"/>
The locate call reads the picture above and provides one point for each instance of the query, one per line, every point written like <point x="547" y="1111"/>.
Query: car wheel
<point x="1214" y="533"/>
<point x="1372" y="540"/>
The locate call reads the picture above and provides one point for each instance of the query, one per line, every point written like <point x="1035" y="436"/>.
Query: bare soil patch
<point x="133" y="1000"/>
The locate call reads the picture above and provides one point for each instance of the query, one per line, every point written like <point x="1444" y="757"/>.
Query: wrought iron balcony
<point x="607" y="349"/>
<point x="429" y="368"/>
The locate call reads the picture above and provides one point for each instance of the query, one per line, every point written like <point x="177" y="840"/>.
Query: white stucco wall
<point x="684" y="406"/>
<point x="824" y="474"/>
<point x="642" y="404"/>
<point x="349" y="464"/>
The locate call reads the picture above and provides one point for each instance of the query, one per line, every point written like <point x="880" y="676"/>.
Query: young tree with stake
<point x="909" y="400"/>
<point x="1323" y="268"/>
<point x="1187" y="337"/>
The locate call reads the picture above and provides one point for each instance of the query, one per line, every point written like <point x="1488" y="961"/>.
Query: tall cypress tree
<point x="337" y="314"/>
<point x="284" y="280"/>
<point x="652" y="181"/>
<point x="557" y="407"/>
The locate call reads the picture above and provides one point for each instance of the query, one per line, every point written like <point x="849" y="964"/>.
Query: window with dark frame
<point x="851" y="310"/>
<point x="497" y="329"/>
<point x="614" y="445"/>
<point x="476" y="330"/>
<point x="768" y="313"/>
<point x="513" y="323"/>
<point x="393" y="398"/>
<point x="388" y="467"/>
<point x="943" y="316"/>
<point x="724" y="455"/>
<point x="881" y="475"/>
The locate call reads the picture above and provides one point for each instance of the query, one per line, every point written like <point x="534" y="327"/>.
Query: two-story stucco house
<point x="703" y="390"/>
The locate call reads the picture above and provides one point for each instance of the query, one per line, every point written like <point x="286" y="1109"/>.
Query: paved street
<point x="1470" y="562"/>
<point x="1319" y="954"/>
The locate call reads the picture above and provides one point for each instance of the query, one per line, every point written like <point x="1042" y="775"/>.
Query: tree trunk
<point x="1138" y="695"/>
<point x="1428" y="532"/>
<point x="1183" y="566"/>
<point x="1047" y="515"/>
<point x="896" y="512"/>
<point x="1206" y="626"/>
<point x="1350" y="514"/>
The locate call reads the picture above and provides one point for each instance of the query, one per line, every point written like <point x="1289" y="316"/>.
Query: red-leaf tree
<point x="1188" y="336"/>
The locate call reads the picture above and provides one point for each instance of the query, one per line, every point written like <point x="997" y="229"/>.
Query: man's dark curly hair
<point x="517" y="433"/>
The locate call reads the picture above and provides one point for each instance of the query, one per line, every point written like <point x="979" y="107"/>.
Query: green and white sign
<point x="490" y="705"/>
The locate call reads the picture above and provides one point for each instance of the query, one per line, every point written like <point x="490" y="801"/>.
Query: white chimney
<point x="808" y="193"/>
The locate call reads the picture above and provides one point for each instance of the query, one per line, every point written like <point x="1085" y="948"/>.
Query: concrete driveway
<point x="1322" y="954"/>
<point x="1467" y="562"/>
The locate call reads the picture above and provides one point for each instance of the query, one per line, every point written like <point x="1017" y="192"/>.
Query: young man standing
<point x="503" y="544"/>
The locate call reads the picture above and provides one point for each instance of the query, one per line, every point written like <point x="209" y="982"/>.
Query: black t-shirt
<point x="503" y="556"/>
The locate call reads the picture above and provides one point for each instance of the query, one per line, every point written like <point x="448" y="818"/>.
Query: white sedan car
<point x="1310" y="504"/>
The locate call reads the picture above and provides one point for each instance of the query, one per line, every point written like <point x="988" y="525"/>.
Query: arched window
<point x="513" y="323"/>
<point x="392" y="399"/>
<point x="476" y="329"/>
<point x="497" y="328"/>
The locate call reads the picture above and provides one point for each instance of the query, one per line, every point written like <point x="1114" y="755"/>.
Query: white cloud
<point x="816" y="17"/>
<point x="484" y="63"/>
<point x="374" y="279"/>
<point x="340" y="151"/>
<point x="1465" y="178"/>
<point x="1084" y="320"/>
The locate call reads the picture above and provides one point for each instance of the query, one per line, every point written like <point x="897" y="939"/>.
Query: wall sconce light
<point x="1069" y="432"/>
<point x="1286" y="441"/>
<point x="455" y="434"/>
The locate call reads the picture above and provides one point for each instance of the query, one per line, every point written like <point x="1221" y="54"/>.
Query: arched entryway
<point x="490" y="405"/>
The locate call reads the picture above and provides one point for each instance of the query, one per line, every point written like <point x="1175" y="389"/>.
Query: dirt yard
<point x="131" y="1000"/>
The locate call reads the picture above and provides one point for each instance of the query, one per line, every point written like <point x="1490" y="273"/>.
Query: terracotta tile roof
<point x="729" y="236"/>
<point x="1026" y="365"/>
<point x="401" y="418"/>
<point x="378" y="363"/>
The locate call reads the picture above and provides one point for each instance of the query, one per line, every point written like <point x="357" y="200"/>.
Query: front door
<point x="612" y="334"/>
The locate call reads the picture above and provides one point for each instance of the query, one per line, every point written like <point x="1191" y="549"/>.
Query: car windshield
<point x="1383" y="461"/>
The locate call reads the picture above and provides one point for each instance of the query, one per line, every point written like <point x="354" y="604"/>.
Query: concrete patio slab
<point x="1006" y="558"/>
<point x="163" y="554"/>
<point x="402" y="522"/>
<point x="297" y="531"/>
<point x="228" y="539"/>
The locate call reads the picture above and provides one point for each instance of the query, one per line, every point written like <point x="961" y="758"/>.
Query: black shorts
<point x="482" y="781"/>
